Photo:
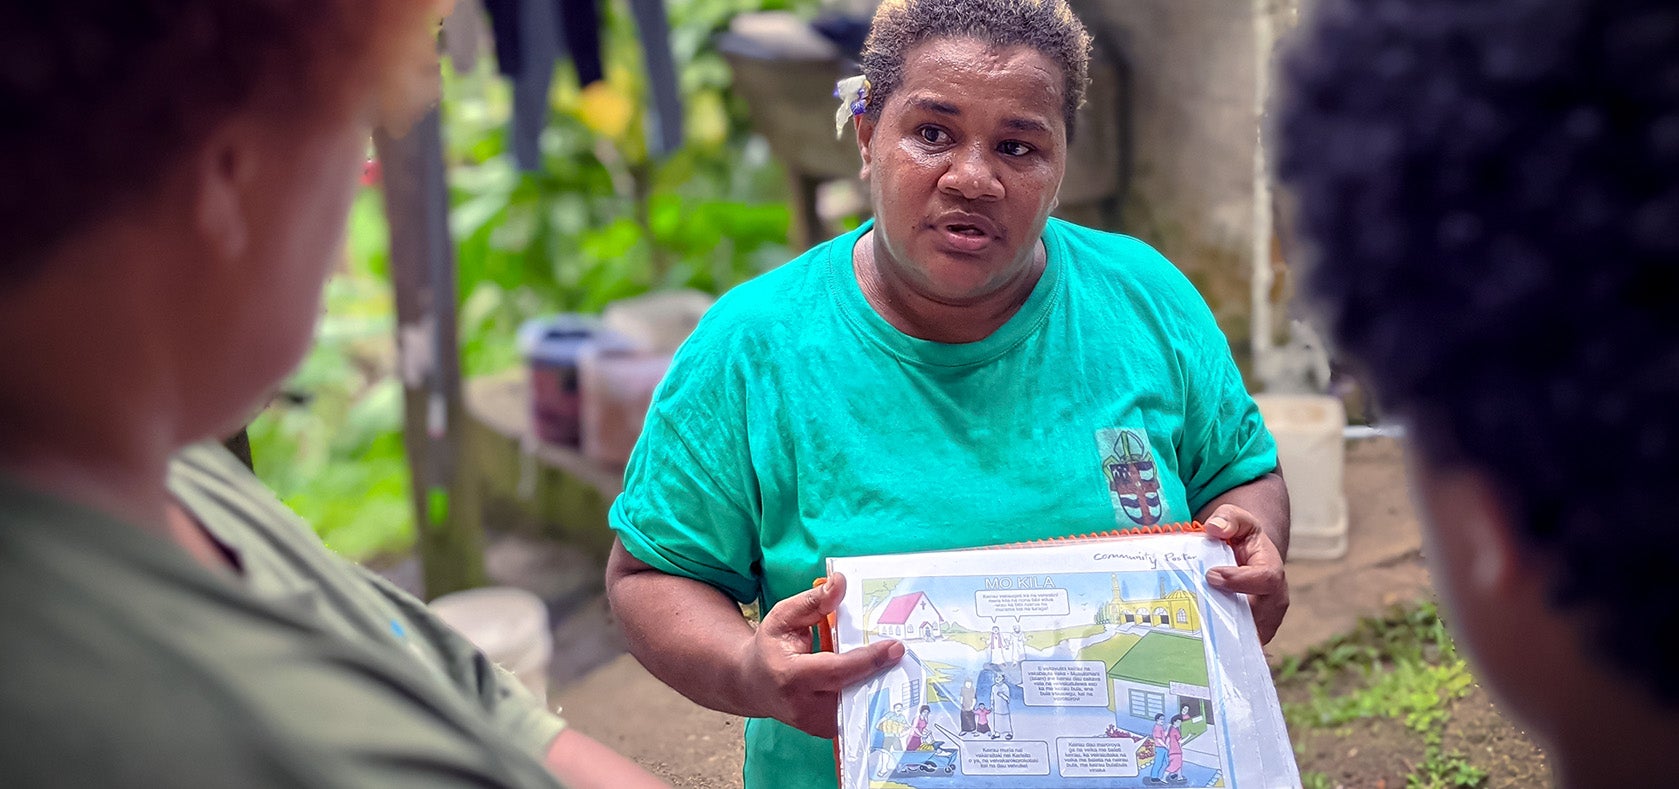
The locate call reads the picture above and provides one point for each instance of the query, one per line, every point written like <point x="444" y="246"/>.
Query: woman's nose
<point x="971" y="175"/>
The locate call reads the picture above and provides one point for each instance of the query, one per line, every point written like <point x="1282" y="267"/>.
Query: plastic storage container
<point x="1312" y="450"/>
<point x="509" y="625"/>
<point x="658" y="322"/>
<point x="551" y="347"/>
<point x="618" y="379"/>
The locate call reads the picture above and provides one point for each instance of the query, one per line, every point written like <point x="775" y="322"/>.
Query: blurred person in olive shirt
<point x="177" y="175"/>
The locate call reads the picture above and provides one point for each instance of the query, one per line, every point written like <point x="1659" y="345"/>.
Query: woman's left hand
<point x="1259" y="567"/>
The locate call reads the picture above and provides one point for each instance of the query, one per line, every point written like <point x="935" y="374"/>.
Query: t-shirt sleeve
<point x="519" y="715"/>
<point x="690" y="503"/>
<point x="1225" y="443"/>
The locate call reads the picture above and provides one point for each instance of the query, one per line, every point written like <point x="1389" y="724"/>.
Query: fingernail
<point x="895" y="651"/>
<point x="1216" y="523"/>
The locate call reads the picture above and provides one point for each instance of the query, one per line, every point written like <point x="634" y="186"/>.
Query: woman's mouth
<point x="965" y="234"/>
<point x="965" y="238"/>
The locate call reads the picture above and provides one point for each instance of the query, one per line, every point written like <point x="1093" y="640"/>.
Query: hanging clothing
<point x="580" y="29"/>
<point x="664" y="118"/>
<point x="530" y="35"/>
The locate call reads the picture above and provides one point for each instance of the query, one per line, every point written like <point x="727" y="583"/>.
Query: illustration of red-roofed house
<point x="911" y="617"/>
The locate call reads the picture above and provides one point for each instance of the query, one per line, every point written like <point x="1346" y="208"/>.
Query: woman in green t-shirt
<point x="962" y="371"/>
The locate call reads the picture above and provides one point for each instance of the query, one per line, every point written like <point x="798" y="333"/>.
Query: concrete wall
<point x="1194" y="127"/>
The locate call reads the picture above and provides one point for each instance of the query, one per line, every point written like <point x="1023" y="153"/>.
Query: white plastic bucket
<point x="511" y="627"/>
<point x="1312" y="450"/>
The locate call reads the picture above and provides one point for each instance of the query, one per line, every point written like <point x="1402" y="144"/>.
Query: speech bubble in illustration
<point x="1019" y="757"/>
<point x="1021" y="602"/>
<point x="1096" y="757"/>
<point x="1065" y="683"/>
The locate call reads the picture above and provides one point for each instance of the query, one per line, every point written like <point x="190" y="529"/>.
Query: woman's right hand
<point x="801" y="688"/>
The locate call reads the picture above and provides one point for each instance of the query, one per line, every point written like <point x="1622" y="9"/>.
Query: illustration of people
<point x="968" y="698"/>
<point x="1174" y="751"/>
<point x="982" y="719"/>
<point x="1017" y="650"/>
<point x="1002" y="723"/>
<point x="918" y="732"/>
<point x="1168" y="753"/>
<point x="893" y="725"/>
<point x="1157" y="770"/>
<point x="999" y="647"/>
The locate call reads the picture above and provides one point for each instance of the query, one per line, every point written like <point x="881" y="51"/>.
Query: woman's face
<point x="256" y="315"/>
<point x="964" y="163"/>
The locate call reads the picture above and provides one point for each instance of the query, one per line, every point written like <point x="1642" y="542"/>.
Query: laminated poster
<point x="1100" y="662"/>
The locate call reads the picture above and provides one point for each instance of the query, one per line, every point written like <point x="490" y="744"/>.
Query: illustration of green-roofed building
<point x="1164" y="674"/>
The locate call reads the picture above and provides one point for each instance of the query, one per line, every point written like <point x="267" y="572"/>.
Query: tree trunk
<point x="446" y="508"/>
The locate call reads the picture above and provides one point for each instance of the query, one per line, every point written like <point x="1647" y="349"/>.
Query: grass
<point x="1401" y="667"/>
<point x="1110" y="650"/>
<point x="1440" y="770"/>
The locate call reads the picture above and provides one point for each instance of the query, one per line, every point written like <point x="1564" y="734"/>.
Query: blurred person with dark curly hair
<point x="961" y="371"/>
<point x="1490" y="194"/>
<point x="177" y="179"/>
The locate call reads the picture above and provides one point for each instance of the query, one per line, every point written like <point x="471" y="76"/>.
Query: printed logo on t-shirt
<point x="1133" y="480"/>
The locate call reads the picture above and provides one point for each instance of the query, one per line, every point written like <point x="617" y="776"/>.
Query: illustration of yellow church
<point x="1177" y="610"/>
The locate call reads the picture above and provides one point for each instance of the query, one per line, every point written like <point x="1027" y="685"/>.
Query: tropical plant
<point x="599" y="221"/>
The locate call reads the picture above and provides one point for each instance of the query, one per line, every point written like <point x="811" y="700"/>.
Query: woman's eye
<point x="932" y="135"/>
<point x="1013" y="148"/>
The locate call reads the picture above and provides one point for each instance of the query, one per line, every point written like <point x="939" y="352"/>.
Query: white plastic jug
<point x="511" y="627"/>
<point x="1312" y="450"/>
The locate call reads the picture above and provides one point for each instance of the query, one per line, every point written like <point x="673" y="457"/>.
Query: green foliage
<point x="1403" y="667"/>
<point x="1440" y="770"/>
<point x="599" y="221"/>
<point x="1315" y="780"/>
<point x="1413" y="634"/>
<point x="1417" y="693"/>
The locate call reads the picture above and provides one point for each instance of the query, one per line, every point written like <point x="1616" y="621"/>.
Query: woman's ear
<point x="223" y="168"/>
<point x="865" y="134"/>
<point x="1472" y="529"/>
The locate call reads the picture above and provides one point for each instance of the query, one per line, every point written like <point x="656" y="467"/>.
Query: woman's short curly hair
<point x="1047" y="26"/>
<point x="1491" y="195"/>
<point x="99" y="98"/>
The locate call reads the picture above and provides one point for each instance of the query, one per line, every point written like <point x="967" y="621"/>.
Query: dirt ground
<point x="626" y="708"/>
<point x="1380" y="752"/>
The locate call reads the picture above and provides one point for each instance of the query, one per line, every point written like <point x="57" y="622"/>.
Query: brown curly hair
<point x="1048" y="26"/>
<point x="99" y="98"/>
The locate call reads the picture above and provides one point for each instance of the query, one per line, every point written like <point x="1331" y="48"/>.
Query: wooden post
<point x="446" y="508"/>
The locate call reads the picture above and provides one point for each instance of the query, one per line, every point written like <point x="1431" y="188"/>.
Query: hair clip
<point x="853" y="93"/>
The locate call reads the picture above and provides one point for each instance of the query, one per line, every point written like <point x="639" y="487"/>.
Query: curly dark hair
<point x="1491" y="195"/>
<point x="1048" y="26"/>
<point x="98" y="98"/>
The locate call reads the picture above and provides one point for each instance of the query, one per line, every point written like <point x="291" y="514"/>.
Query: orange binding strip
<point x="1192" y="527"/>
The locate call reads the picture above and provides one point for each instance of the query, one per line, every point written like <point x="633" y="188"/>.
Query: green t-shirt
<point x="126" y="663"/>
<point x="796" y="424"/>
